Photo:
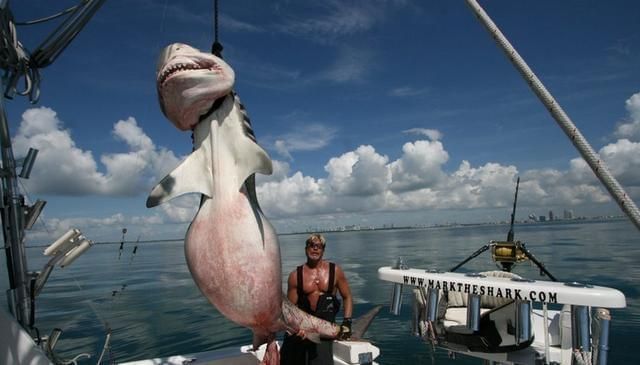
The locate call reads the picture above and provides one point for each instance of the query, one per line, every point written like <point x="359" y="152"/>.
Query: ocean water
<point x="154" y="309"/>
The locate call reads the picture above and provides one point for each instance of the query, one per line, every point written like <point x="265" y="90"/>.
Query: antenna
<point x="513" y="212"/>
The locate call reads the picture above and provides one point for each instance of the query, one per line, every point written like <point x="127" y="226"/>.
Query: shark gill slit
<point x="247" y="128"/>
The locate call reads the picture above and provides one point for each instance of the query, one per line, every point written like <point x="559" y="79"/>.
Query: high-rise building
<point x="568" y="214"/>
<point x="551" y="215"/>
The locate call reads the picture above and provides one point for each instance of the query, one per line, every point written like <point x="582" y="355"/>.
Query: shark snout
<point x="189" y="82"/>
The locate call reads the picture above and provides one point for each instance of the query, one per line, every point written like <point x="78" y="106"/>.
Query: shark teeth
<point x="179" y="67"/>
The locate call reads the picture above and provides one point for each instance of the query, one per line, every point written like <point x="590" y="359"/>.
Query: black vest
<point x="328" y="304"/>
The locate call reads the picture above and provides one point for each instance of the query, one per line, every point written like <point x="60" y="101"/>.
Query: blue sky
<point x="373" y="112"/>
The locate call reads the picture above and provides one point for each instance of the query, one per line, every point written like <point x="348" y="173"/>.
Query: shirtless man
<point x="312" y="287"/>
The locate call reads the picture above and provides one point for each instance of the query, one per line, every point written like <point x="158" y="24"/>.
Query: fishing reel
<point x="507" y="253"/>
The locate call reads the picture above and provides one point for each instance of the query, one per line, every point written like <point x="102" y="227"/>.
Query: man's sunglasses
<point x="317" y="246"/>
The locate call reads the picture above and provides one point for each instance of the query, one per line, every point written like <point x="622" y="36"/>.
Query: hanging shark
<point x="231" y="249"/>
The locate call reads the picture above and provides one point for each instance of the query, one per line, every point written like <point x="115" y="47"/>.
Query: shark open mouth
<point x="183" y="67"/>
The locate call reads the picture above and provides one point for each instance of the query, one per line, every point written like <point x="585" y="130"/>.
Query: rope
<point x="582" y="358"/>
<point x="215" y="21"/>
<point x="563" y="120"/>
<point x="216" y="48"/>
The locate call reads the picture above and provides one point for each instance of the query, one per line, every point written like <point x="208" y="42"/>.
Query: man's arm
<point x="292" y="287"/>
<point x="345" y="292"/>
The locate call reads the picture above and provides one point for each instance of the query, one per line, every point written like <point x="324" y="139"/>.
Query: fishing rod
<point x="579" y="141"/>
<point x="513" y="212"/>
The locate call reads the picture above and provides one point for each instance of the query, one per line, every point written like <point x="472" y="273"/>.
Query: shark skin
<point x="231" y="249"/>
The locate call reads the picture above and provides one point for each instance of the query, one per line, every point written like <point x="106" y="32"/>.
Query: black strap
<point x="332" y="276"/>
<point x="299" y="286"/>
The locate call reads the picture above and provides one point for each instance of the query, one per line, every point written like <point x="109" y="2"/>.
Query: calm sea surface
<point x="157" y="310"/>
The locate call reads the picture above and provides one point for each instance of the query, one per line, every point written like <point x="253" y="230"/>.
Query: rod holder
<point x="418" y="310"/>
<point x="523" y="321"/>
<point x="580" y="333"/>
<point x="53" y="338"/>
<point x="396" y="299"/>
<point x="33" y="212"/>
<point x="27" y="165"/>
<point x="433" y="295"/>
<point x="473" y="312"/>
<point x="603" y="321"/>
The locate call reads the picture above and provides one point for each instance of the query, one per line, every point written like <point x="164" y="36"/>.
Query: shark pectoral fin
<point x="251" y="158"/>
<point x="193" y="175"/>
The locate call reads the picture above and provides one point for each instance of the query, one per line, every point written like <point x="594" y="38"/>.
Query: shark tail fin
<point x="361" y="324"/>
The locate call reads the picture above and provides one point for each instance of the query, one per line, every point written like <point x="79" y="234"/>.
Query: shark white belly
<point x="232" y="261"/>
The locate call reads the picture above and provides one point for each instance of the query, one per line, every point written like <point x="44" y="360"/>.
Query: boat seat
<point x="457" y="316"/>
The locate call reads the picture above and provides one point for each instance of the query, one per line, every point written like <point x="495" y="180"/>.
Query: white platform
<point x="345" y="353"/>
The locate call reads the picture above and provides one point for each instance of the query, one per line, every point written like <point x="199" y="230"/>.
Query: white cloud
<point x="490" y="185"/>
<point x="303" y="137"/>
<point x="633" y="106"/>
<point x="433" y="134"/>
<point x="294" y="195"/>
<point x="333" y="19"/>
<point x="280" y="172"/>
<point x="623" y="160"/>
<point x="181" y="209"/>
<point x="89" y="226"/>
<point x="231" y="24"/>
<point x="419" y="167"/>
<point x="351" y="64"/>
<point x="361" y="181"/>
<point x="631" y="129"/>
<point x="407" y="91"/>
<point x="549" y="187"/>
<point x="365" y="181"/>
<point x="282" y="149"/>
<point x="362" y="172"/>
<point x="63" y="168"/>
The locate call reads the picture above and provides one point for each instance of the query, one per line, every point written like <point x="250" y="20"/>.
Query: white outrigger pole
<point x="563" y="120"/>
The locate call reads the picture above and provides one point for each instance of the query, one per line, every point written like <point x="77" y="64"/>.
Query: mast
<point x="13" y="227"/>
<point x="586" y="151"/>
